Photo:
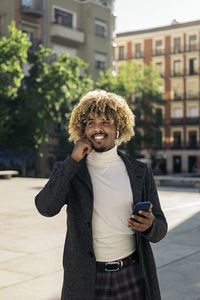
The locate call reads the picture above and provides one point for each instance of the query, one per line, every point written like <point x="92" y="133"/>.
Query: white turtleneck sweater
<point x="113" y="200"/>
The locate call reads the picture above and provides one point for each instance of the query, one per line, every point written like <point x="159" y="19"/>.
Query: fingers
<point x="81" y="148"/>
<point x="143" y="222"/>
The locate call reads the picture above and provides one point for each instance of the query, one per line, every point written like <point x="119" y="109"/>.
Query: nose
<point x="98" y="129"/>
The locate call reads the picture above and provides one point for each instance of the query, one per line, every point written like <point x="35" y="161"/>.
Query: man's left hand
<point x="143" y="223"/>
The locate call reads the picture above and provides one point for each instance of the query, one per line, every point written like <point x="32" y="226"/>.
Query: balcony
<point x="192" y="120"/>
<point x="177" y="50"/>
<point x="192" y="145"/>
<point x="177" y="73"/>
<point x="32" y="7"/>
<point x="138" y="54"/>
<point x="158" y="52"/>
<point x="177" y="97"/>
<point x="192" y="96"/>
<point x="192" y="72"/>
<point x="177" y="145"/>
<point x="192" y="48"/>
<point x="67" y="33"/>
<point x="177" y="121"/>
<point x="107" y="3"/>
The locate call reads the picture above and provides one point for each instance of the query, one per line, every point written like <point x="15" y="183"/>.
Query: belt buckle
<point x="116" y="264"/>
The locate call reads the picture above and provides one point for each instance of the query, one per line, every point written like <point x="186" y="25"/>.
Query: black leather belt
<point x="113" y="266"/>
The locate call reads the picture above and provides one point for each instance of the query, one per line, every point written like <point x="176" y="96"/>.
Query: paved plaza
<point x="31" y="245"/>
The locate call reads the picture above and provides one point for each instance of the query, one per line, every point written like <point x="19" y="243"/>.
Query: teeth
<point x="98" y="137"/>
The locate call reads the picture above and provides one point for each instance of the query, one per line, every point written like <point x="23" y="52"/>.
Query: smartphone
<point x="141" y="206"/>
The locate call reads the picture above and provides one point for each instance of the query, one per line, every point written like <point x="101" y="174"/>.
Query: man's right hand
<point x="81" y="148"/>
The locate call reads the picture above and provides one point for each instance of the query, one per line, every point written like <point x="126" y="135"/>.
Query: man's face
<point x="101" y="132"/>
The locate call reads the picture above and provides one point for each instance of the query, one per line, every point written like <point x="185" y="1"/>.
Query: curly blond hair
<point x="113" y="106"/>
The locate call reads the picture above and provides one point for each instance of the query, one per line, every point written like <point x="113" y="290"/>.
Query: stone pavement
<point x="31" y="245"/>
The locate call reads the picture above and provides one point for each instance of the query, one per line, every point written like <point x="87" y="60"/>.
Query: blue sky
<point x="141" y="14"/>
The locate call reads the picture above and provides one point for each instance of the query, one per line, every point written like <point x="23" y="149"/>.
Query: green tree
<point x="47" y="95"/>
<point x="141" y="86"/>
<point x="13" y="54"/>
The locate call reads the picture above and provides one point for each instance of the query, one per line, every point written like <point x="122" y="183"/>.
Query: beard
<point x="101" y="149"/>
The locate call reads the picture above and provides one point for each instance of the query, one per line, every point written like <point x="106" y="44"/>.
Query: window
<point x="192" y="139"/>
<point x="177" y="112"/>
<point x="177" y="91"/>
<point x="193" y="111"/>
<point x="192" y="66"/>
<point x="159" y="47"/>
<point x="138" y="52"/>
<point x="29" y="3"/>
<point x="63" y="18"/>
<point x="159" y="68"/>
<point x="192" y="89"/>
<point x="177" y="67"/>
<point x="192" y="42"/>
<point x="121" y="52"/>
<point x="100" y="28"/>
<point x="100" y="61"/>
<point x="177" y="139"/>
<point x="177" y="45"/>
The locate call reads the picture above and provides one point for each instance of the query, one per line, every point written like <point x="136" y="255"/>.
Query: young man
<point x="107" y="254"/>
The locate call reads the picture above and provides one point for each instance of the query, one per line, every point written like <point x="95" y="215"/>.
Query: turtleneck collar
<point x="103" y="157"/>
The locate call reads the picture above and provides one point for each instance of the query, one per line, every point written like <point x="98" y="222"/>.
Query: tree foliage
<point x="33" y="102"/>
<point x="141" y="87"/>
<point x="13" y="54"/>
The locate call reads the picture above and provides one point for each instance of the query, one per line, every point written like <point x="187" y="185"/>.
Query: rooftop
<point x="173" y="25"/>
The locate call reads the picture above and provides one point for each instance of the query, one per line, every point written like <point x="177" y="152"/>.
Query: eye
<point x="90" y="123"/>
<point x="106" y="122"/>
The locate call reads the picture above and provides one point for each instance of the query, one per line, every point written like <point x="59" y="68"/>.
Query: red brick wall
<point x="129" y="50"/>
<point x="26" y="17"/>
<point x="147" y="51"/>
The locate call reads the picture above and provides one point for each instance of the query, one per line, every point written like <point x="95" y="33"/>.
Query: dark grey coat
<point x="70" y="184"/>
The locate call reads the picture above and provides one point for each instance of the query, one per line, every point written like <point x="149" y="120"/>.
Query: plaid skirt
<point x="125" y="284"/>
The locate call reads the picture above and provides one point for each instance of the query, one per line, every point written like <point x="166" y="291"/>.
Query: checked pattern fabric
<point x="125" y="284"/>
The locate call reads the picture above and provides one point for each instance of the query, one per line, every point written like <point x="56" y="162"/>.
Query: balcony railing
<point x="158" y="52"/>
<point x="138" y="54"/>
<point x="32" y="7"/>
<point x="192" y="96"/>
<point x="192" y="48"/>
<point x="177" y="145"/>
<point x="177" y="121"/>
<point x="192" y="120"/>
<point x="192" y="145"/>
<point x="177" y="50"/>
<point x="192" y="72"/>
<point x="177" y="73"/>
<point x="177" y="97"/>
<point x="108" y="3"/>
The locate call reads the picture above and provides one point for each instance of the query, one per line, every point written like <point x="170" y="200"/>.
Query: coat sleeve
<point x="53" y="196"/>
<point x="159" y="227"/>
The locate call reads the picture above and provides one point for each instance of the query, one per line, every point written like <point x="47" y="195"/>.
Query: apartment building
<point x="175" y="49"/>
<point x="81" y="28"/>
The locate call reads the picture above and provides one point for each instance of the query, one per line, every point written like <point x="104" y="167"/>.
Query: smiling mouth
<point x="99" y="137"/>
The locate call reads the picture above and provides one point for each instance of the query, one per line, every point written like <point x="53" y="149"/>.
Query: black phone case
<point x="141" y="206"/>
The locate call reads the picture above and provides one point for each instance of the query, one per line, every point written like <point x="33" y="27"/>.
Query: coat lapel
<point x="136" y="175"/>
<point x="84" y="175"/>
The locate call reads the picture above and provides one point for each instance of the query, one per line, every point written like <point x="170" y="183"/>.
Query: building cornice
<point x="156" y="29"/>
